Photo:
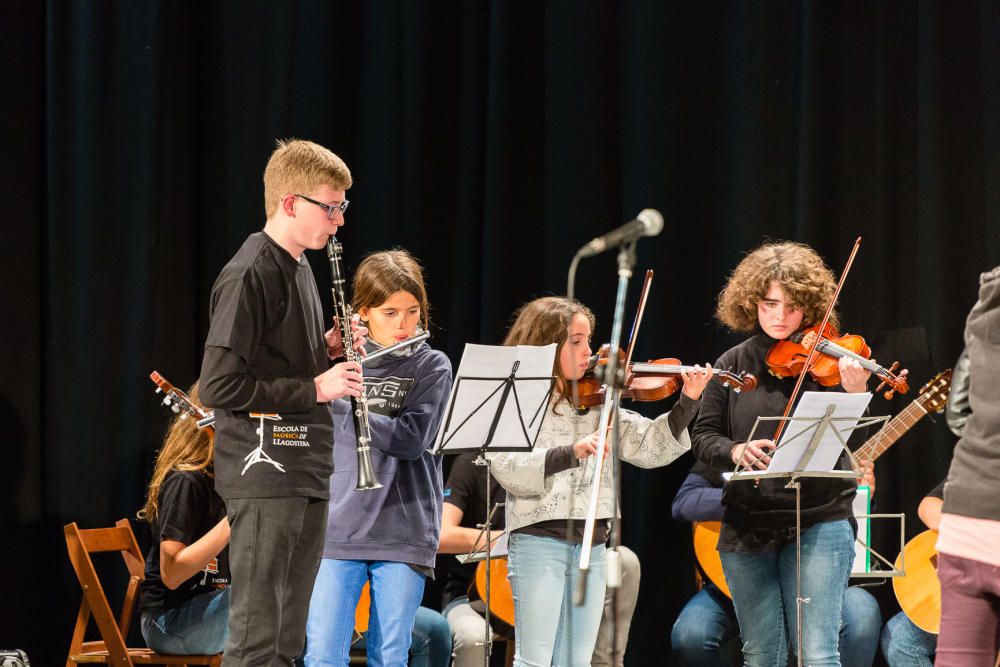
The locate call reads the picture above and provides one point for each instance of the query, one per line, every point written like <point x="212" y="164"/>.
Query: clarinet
<point x="359" y="406"/>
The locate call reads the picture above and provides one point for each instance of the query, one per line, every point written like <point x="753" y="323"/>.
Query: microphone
<point x="649" y="222"/>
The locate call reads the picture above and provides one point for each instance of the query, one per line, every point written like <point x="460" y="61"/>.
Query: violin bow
<point x="814" y="349"/>
<point x="611" y="402"/>
<point x="606" y="415"/>
<point x="640" y="310"/>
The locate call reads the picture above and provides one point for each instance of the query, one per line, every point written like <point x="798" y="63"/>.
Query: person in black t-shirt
<point x="775" y="291"/>
<point x="266" y="373"/>
<point x="185" y="597"/>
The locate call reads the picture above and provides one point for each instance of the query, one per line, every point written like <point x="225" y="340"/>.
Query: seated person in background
<point x="185" y="597"/>
<point x="464" y="508"/>
<point x="706" y="632"/>
<point x="903" y="643"/>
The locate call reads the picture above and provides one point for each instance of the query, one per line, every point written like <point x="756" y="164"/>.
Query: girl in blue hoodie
<point x="387" y="536"/>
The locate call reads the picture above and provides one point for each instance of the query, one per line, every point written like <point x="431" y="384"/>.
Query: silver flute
<point x="359" y="405"/>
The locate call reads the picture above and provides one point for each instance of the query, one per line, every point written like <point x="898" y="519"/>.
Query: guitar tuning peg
<point x="176" y="408"/>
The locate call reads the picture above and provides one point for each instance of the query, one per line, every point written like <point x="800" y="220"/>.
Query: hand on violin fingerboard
<point x="853" y="376"/>
<point x="754" y="456"/>
<point x="696" y="380"/>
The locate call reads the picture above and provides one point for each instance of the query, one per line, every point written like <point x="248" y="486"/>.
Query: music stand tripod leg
<point x="797" y="485"/>
<point x="487" y="528"/>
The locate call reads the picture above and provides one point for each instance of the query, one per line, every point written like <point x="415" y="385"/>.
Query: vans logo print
<point x="385" y="395"/>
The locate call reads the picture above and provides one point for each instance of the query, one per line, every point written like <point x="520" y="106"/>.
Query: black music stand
<point x="477" y="415"/>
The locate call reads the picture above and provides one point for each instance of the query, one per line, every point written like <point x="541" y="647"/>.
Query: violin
<point x="787" y="357"/>
<point x="650" y="381"/>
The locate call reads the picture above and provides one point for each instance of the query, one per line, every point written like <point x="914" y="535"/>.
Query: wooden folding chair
<point x="111" y="648"/>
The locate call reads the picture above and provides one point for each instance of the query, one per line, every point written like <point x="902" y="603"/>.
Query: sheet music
<point x="469" y="418"/>
<point x="848" y="409"/>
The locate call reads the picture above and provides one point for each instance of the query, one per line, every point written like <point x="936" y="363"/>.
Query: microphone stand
<point x="614" y="380"/>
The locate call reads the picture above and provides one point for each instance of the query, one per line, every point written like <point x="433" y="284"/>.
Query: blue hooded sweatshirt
<point x="400" y="522"/>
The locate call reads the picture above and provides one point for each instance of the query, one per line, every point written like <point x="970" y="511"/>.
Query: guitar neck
<point x="877" y="445"/>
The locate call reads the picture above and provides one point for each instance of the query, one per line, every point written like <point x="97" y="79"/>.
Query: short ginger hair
<point x="300" y="167"/>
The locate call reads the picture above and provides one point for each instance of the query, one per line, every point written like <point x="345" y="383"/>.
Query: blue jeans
<point x="763" y="588"/>
<point x="396" y="591"/>
<point x="706" y="633"/>
<point x="198" y="627"/>
<point x="549" y="628"/>
<point x="860" y="625"/>
<point x="430" y="644"/>
<point x="906" y="645"/>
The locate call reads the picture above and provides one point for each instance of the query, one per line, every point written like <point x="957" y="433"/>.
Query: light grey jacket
<point x="532" y="497"/>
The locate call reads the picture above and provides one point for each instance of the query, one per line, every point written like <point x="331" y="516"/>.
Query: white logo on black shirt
<point x="258" y="455"/>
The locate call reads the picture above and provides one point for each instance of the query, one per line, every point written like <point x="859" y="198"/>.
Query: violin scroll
<point x="896" y="383"/>
<point x="737" y="381"/>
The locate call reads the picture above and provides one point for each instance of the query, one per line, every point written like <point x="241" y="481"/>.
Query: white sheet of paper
<point x="797" y="434"/>
<point x="496" y="361"/>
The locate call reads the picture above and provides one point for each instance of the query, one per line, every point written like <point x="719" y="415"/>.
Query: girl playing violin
<point x="386" y="536"/>
<point x="544" y="490"/>
<point x="775" y="291"/>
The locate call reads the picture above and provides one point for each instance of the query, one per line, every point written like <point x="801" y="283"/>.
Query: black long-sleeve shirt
<point x="264" y="347"/>
<point x="761" y="517"/>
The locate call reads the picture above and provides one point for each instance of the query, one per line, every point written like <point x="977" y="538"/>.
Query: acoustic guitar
<point x="362" y="611"/>
<point x="501" y="595"/>
<point x="181" y="403"/>
<point x="933" y="398"/>
<point x="919" y="591"/>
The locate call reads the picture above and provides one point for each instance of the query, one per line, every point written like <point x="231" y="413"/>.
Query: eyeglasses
<point x="331" y="209"/>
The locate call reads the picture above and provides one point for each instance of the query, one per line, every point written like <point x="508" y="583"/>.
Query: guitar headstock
<point x="934" y="395"/>
<point x="177" y="400"/>
<point x="737" y="381"/>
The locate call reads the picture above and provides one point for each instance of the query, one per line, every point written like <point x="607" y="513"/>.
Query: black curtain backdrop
<point x="491" y="139"/>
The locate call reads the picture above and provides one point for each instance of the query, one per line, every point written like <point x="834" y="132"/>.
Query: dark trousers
<point x="275" y="546"/>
